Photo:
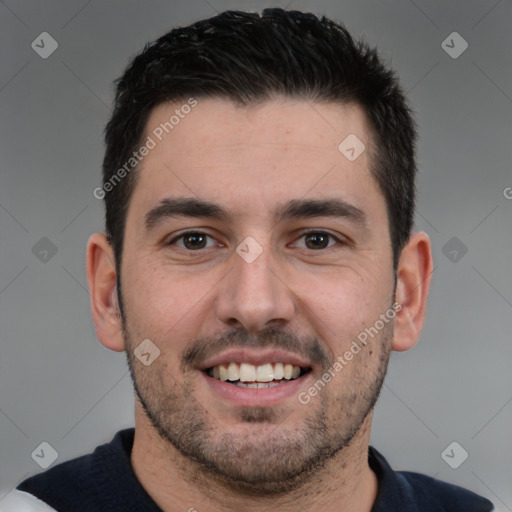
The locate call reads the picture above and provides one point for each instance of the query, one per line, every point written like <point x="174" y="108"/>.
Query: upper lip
<point x="255" y="357"/>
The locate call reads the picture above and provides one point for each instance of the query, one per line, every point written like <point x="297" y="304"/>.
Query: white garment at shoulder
<point x="20" y="501"/>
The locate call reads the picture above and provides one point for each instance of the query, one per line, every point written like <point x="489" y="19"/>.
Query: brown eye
<point x="193" y="241"/>
<point x="317" y="240"/>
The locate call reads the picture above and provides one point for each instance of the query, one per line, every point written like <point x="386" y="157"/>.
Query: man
<point x="258" y="268"/>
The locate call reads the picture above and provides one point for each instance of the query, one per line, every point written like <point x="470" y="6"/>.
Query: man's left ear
<point x="414" y="274"/>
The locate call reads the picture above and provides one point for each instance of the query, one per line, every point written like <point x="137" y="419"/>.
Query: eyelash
<point x="324" y="233"/>
<point x="305" y="233"/>
<point x="186" y="233"/>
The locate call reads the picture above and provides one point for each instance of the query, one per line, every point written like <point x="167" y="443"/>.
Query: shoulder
<point x="429" y="492"/>
<point x="87" y="480"/>
<point x="414" y="492"/>
<point x="20" y="501"/>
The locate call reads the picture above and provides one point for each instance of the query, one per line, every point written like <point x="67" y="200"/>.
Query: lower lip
<point x="251" y="397"/>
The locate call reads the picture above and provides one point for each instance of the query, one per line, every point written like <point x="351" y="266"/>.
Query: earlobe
<point x="414" y="274"/>
<point x="102" y="279"/>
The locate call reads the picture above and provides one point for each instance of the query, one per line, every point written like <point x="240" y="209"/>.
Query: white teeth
<point x="223" y="371"/>
<point x="288" y="371"/>
<point x="263" y="373"/>
<point x="233" y="371"/>
<point x="247" y="372"/>
<point x="278" y="371"/>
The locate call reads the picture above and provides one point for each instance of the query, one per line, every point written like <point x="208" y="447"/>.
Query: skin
<point x="192" y="448"/>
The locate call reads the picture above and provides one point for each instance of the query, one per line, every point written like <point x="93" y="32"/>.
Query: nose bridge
<point x="253" y="295"/>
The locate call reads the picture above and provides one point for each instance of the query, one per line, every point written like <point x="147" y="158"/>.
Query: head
<point x="243" y="118"/>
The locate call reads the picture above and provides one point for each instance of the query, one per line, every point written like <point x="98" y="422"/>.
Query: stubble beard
<point x="260" y="456"/>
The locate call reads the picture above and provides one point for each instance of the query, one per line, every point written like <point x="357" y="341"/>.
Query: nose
<point x="254" y="295"/>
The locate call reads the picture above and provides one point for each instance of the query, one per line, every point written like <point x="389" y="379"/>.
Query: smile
<point x="261" y="376"/>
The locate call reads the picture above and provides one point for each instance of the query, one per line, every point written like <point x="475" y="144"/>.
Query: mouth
<point x="248" y="377"/>
<point x="262" y="376"/>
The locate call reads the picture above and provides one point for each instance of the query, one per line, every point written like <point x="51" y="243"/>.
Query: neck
<point x="176" y="483"/>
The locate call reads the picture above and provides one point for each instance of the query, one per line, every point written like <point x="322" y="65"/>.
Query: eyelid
<point x="343" y="240"/>
<point x="182" y="234"/>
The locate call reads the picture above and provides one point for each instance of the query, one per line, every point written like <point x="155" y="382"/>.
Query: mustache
<point x="270" y="337"/>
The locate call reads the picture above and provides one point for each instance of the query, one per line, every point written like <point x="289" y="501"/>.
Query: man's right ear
<point x="101" y="276"/>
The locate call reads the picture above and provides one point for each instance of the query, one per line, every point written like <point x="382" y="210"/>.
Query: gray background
<point x="59" y="385"/>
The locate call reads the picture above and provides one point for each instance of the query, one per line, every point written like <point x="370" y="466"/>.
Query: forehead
<point x="221" y="123"/>
<point x="257" y="155"/>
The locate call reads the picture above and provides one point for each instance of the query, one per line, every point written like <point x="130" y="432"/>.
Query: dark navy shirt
<point x="105" y="482"/>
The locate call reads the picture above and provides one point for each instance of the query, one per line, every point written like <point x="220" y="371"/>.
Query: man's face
<point x="274" y="173"/>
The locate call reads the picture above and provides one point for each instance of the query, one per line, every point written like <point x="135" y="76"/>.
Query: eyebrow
<point x="184" y="207"/>
<point x="294" y="209"/>
<point x="309" y="208"/>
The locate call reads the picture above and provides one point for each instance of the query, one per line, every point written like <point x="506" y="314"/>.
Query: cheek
<point x="164" y="302"/>
<point x="344" y="304"/>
